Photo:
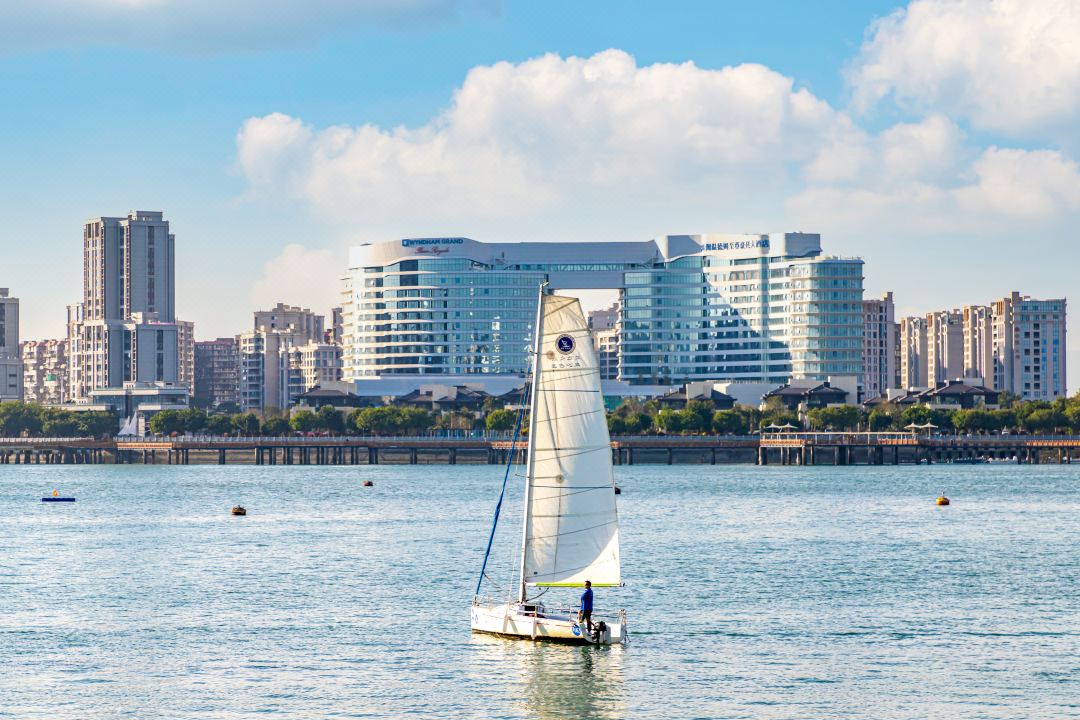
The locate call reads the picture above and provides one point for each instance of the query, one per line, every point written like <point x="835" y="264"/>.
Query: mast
<point x="538" y="336"/>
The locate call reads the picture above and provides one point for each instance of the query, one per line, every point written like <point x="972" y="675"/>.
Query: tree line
<point x="20" y="419"/>
<point x="631" y="417"/>
<point x="384" y="420"/>
<point x="634" y="417"/>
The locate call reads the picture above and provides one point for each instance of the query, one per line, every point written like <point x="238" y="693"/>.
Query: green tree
<point x="331" y="420"/>
<point x="878" y="420"/>
<point x="1044" y="419"/>
<point x="167" y="422"/>
<point x="60" y="423"/>
<point x="194" y="420"/>
<point x="616" y="424"/>
<point x="730" y="422"/>
<point x="842" y="417"/>
<point x="246" y="424"/>
<point x="703" y="413"/>
<point x="97" y="423"/>
<point x="219" y="424"/>
<point x="500" y="420"/>
<point x="671" y="421"/>
<point x="20" y="419"/>
<point x="303" y="421"/>
<point x="276" y="425"/>
<point x="916" y="414"/>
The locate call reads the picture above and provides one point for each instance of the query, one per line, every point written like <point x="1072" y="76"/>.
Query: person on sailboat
<point x="585" y="615"/>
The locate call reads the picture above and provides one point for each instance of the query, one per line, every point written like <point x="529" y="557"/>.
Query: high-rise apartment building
<point x="1029" y="346"/>
<point x="944" y="346"/>
<point x="299" y="323"/>
<point x="217" y="373"/>
<point x="185" y="341"/>
<point x="125" y="330"/>
<point x="913" y="353"/>
<point x="751" y="308"/>
<point x="11" y="385"/>
<point x="283" y="357"/>
<point x="979" y="343"/>
<point x="319" y="364"/>
<point x="880" y="352"/>
<point x="333" y="335"/>
<point x="45" y="371"/>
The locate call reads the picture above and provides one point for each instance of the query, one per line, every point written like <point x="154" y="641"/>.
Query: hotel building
<point x="742" y="308"/>
<point x="11" y="369"/>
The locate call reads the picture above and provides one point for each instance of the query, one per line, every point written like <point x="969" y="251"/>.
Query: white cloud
<point x="521" y="140"/>
<point x="196" y="26"/>
<point x="300" y="276"/>
<point x="1011" y="66"/>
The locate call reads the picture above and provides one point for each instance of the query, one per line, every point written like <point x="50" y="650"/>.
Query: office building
<point x="880" y="351"/>
<point x="749" y="308"/>
<point x="125" y="330"/>
<point x="45" y="371"/>
<point x="11" y="370"/>
<point x="1029" y="347"/>
<point x="217" y="373"/>
<point x="944" y="346"/>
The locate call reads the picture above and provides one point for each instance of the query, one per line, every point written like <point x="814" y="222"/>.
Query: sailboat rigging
<point x="570" y="527"/>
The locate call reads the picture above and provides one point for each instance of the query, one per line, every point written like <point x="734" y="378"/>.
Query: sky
<point x="936" y="139"/>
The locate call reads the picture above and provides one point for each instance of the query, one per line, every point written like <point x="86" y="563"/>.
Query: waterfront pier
<point x="793" y="449"/>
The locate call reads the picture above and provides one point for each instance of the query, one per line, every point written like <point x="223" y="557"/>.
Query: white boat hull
<point x="534" y="622"/>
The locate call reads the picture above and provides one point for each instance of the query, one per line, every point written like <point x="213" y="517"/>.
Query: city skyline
<point x="957" y="183"/>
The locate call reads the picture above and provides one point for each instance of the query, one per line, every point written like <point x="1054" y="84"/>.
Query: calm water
<point x="752" y="593"/>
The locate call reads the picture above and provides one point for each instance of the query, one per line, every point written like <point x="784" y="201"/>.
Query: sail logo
<point x="575" y="629"/>
<point x="565" y="344"/>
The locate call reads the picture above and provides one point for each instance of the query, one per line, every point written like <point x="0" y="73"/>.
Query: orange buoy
<point x="239" y="510"/>
<point x="368" y="483"/>
<point x="942" y="500"/>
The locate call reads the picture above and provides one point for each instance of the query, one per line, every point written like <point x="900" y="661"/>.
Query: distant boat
<point x="570" y="530"/>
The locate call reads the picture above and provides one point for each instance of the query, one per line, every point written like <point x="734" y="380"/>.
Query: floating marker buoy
<point x="368" y="483"/>
<point x="942" y="500"/>
<point x="54" y="498"/>
<point x="618" y="490"/>
<point x="239" y="510"/>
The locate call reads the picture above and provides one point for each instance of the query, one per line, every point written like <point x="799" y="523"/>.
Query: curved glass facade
<point x="736" y="308"/>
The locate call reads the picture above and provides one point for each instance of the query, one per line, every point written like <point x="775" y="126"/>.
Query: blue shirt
<point x="586" y="600"/>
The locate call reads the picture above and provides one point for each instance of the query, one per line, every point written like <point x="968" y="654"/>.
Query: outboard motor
<point x="601" y="635"/>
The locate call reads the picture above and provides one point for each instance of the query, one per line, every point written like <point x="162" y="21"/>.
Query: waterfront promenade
<point x="796" y="448"/>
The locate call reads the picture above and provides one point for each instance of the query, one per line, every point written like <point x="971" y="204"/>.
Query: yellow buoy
<point x="942" y="500"/>
<point x="56" y="493"/>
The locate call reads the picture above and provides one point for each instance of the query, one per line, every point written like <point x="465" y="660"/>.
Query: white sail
<point x="571" y="525"/>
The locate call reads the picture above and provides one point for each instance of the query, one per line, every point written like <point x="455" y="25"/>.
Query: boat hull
<point x="511" y="621"/>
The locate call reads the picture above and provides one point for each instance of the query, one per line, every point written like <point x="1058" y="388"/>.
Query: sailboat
<point x="570" y="525"/>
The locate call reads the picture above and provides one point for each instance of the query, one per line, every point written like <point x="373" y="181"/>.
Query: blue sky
<point x="935" y="139"/>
